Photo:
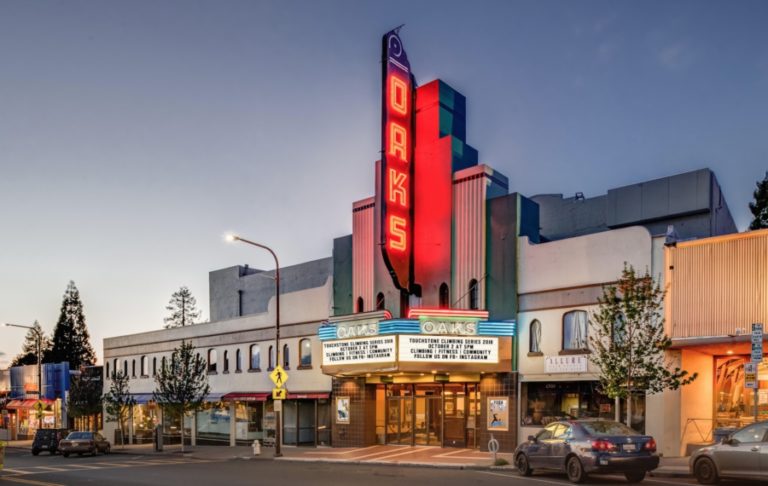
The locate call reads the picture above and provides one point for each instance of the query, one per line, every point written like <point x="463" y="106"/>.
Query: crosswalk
<point x="63" y="467"/>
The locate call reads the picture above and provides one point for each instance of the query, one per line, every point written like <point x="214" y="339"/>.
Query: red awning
<point x="310" y="396"/>
<point x="15" y="404"/>
<point x="245" y="397"/>
<point x="29" y="403"/>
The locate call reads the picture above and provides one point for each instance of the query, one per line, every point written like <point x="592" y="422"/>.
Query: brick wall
<point x="500" y="385"/>
<point x="361" y="429"/>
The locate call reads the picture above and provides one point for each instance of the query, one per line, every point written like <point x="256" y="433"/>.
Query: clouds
<point x="676" y="56"/>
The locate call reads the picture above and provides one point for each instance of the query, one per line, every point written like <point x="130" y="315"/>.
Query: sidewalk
<point x="421" y="456"/>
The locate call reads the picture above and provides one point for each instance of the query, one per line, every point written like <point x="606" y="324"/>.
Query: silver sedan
<point x="743" y="455"/>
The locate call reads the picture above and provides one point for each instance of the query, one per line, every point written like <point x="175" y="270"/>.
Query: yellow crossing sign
<point x="278" y="394"/>
<point x="278" y="376"/>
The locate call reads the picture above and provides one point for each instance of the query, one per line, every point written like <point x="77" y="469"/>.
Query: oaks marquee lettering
<point x="449" y="349"/>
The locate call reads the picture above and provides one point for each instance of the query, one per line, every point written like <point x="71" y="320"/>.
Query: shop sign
<point x="565" y="364"/>
<point x="355" y="329"/>
<point x="750" y="375"/>
<point x="449" y="349"/>
<point x="757" y="342"/>
<point x="342" y="410"/>
<point x="359" y="351"/>
<point x="434" y="326"/>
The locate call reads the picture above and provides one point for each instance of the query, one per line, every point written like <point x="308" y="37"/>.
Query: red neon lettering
<point x="397" y="191"/>
<point x="397" y="233"/>
<point x="397" y="95"/>
<point x="398" y="138"/>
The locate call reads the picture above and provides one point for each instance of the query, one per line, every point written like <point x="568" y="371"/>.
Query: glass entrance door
<point x="429" y="420"/>
<point x="400" y="420"/>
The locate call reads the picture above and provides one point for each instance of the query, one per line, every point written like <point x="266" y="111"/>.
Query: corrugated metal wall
<point x="362" y="253"/>
<point x="468" y="236"/>
<point x="717" y="285"/>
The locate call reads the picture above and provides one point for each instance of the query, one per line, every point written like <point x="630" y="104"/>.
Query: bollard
<point x="256" y="448"/>
<point x="493" y="446"/>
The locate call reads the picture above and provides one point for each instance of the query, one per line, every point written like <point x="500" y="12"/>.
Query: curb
<point x="388" y="463"/>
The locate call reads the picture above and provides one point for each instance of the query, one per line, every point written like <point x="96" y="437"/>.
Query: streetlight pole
<point x="39" y="336"/>
<point x="278" y="423"/>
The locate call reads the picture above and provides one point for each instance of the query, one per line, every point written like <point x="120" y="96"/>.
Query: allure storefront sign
<point x="565" y="364"/>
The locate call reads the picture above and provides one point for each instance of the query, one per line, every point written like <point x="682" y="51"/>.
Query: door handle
<point x="755" y="449"/>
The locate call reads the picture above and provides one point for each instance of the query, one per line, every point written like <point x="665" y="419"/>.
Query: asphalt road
<point x="122" y="469"/>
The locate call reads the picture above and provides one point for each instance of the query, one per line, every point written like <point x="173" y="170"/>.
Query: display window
<point x="734" y="402"/>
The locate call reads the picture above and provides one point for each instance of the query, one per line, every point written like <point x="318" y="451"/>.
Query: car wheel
<point x="634" y="476"/>
<point x="65" y="454"/>
<point x="523" y="466"/>
<point x="705" y="471"/>
<point x="35" y="452"/>
<point x="575" y="470"/>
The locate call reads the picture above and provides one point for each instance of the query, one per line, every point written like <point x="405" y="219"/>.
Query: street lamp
<point x="39" y="336"/>
<point x="278" y="423"/>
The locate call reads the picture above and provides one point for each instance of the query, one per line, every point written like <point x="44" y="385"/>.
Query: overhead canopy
<point x="245" y="397"/>
<point x="28" y="403"/>
<point x="309" y="395"/>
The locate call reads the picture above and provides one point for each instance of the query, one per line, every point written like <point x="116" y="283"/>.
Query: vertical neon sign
<point x="397" y="161"/>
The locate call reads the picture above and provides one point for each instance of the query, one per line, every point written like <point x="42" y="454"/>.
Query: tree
<point x="183" y="309"/>
<point x="85" y="399"/>
<point x="28" y="354"/>
<point x="759" y="208"/>
<point x="182" y="383"/>
<point x="118" y="402"/>
<point x="629" y="345"/>
<point x="71" y="341"/>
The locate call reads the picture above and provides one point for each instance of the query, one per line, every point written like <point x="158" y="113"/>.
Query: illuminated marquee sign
<point x="397" y="161"/>
<point x="449" y="349"/>
<point x="358" y="351"/>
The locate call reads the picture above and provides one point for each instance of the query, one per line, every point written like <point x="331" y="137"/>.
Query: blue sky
<point x="134" y="134"/>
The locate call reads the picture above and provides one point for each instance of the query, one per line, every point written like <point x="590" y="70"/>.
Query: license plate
<point x="43" y="447"/>
<point x="629" y="447"/>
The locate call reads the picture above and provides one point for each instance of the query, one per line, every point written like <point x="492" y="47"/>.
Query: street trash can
<point x="158" y="438"/>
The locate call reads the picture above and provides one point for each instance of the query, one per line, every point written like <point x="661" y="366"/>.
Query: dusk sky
<point x="135" y="134"/>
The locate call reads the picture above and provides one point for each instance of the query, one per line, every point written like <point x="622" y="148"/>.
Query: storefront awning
<point x="245" y="397"/>
<point x="308" y="396"/>
<point x="142" y="398"/>
<point x="214" y="397"/>
<point x="29" y="403"/>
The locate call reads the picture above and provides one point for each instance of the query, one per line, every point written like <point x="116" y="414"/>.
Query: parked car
<point x="82" y="442"/>
<point x="47" y="440"/>
<point x="583" y="447"/>
<point x="739" y="456"/>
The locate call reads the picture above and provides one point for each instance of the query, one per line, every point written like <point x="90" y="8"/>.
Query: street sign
<point x="757" y="342"/>
<point x="39" y="406"/>
<point x="750" y="375"/>
<point x="278" y="394"/>
<point x="278" y="376"/>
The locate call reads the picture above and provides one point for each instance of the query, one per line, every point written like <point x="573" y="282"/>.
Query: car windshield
<point x="80" y="435"/>
<point x="607" y="428"/>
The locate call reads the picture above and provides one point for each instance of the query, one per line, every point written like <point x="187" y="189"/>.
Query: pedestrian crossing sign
<point x="278" y="394"/>
<point x="278" y="376"/>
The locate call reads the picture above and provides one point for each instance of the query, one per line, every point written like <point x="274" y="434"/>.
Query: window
<point x="212" y="359"/>
<point x="619" y="330"/>
<point x="444" y="296"/>
<point x="238" y="361"/>
<point x="133" y="368"/>
<point x="359" y="304"/>
<point x="575" y="330"/>
<point x="256" y="357"/>
<point x="305" y="353"/>
<point x="547" y="402"/>
<point x="226" y="362"/>
<point x="163" y="362"/>
<point x="754" y="433"/>
<point x="125" y="367"/>
<point x="107" y="370"/>
<point x="473" y="304"/>
<point x="154" y="366"/>
<point x="271" y="358"/>
<point x="380" y="301"/>
<point x="534" y="339"/>
<point x="114" y="367"/>
<point x="144" y="366"/>
<point x="286" y="357"/>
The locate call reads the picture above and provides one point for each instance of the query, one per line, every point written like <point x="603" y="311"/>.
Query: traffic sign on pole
<point x="750" y="375"/>
<point x="757" y="342"/>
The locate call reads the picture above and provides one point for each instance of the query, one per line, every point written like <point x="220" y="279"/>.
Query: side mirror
<point x="531" y="438"/>
<point x="730" y="441"/>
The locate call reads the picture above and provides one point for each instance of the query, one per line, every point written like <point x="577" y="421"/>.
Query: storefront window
<point x="575" y="330"/>
<point x="145" y="417"/>
<point x="213" y="424"/>
<point x="734" y="403"/>
<point x="248" y="422"/>
<point x="547" y="402"/>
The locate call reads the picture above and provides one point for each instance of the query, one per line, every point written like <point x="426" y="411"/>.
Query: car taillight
<point x="602" y="445"/>
<point x="650" y="446"/>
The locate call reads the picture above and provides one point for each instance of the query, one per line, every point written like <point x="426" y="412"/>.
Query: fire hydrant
<point x="256" y="448"/>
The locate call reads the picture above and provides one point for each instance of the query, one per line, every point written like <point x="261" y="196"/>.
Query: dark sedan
<point x="83" y="442"/>
<point x="583" y="447"/>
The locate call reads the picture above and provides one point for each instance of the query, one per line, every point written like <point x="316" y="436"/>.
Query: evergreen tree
<point x="182" y="384"/>
<point x="629" y="345"/>
<point x="183" y="309"/>
<point x="759" y="208"/>
<point x="118" y="402"/>
<point x="85" y="398"/>
<point x="28" y="354"/>
<point x="71" y="341"/>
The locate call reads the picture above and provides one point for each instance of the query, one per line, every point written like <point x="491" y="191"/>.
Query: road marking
<point x="343" y="452"/>
<point x="386" y="451"/>
<point x="55" y="469"/>
<point x="15" y="479"/>
<point x="457" y="451"/>
<point x="403" y="453"/>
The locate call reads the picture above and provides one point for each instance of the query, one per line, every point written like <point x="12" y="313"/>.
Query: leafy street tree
<point x="85" y="399"/>
<point x="182" y="383"/>
<point x="629" y="343"/>
<point x="183" y="309"/>
<point x="28" y="354"/>
<point x="71" y="341"/>
<point x="759" y="208"/>
<point x="118" y="402"/>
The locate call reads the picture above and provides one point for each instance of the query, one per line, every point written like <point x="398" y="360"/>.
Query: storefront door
<point x="429" y="420"/>
<point x="400" y="420"/>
